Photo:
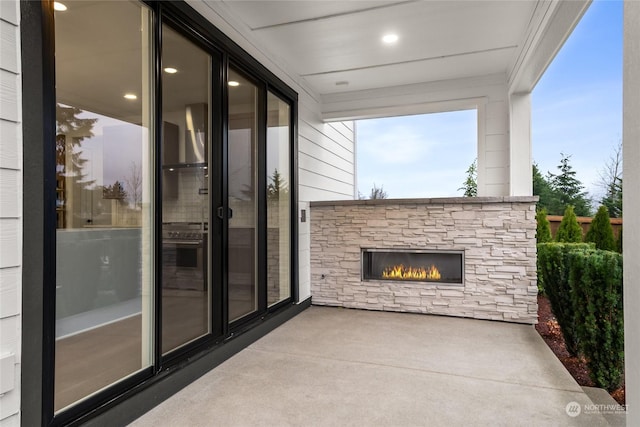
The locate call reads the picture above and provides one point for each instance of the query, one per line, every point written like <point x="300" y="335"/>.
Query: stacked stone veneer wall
<point x="497" y="235"/>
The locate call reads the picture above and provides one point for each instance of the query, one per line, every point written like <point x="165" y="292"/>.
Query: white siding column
<point x="10" y="213"/>
<point x="631" y="204"/>
<point x="493" y="143"/>
<point x="520" y="157"/>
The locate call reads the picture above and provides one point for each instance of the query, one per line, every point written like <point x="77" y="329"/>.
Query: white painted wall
<point x="326" y="151"/>
<point x="10" y="213"/>
<point x="631" y="204"/>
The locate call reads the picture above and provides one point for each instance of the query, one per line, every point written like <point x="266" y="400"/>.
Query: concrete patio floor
<point x="342" y="367"/>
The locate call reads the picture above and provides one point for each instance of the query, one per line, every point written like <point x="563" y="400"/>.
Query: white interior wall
<point x="631" y="204"/>
<point x="10" y="213"/>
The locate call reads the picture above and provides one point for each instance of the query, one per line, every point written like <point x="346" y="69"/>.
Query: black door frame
<point x="134" y="395"/>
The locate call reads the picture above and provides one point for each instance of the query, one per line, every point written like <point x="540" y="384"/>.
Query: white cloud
<point x="416" y="156"/>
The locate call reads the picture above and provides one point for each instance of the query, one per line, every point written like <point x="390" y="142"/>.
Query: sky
<point x="576" y="110"/>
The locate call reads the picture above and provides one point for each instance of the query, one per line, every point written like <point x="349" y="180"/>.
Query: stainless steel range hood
<point x="197" y="128"/>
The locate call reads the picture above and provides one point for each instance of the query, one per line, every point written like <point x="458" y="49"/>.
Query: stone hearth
<point x="495" y="234"/>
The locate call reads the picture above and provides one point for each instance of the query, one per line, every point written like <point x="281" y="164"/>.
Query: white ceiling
<point x="332" y="42"/>
<point x="334" y="46"/>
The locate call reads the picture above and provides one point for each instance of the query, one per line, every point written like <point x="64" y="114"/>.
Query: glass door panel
<point x="104" y="196"/>
<point x="242" y="167"/>
<point x="278" y="200"/>
<point x="186" y="138"/>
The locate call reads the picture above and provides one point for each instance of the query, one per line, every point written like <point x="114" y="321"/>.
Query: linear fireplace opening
<point x="439" y="266"/>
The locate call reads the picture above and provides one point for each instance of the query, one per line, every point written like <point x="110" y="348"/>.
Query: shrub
<point x="569" y="230"/>
<point x="543" y="229"/>
<point x="600" y="231"/>
<point x="554" y="274"/>
<point x="595" y="279"/>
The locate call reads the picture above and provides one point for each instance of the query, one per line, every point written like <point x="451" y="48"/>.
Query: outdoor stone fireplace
<point x="379" y="254"/>
<point x="407" y="265"/>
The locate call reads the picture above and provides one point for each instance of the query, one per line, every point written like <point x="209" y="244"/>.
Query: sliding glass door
<point x="278" y="154"/>
<point x="186" y="141"/>
<point x="104" y="197"/>
<point x="243" y="195"/>
<point x="174" y="198"/>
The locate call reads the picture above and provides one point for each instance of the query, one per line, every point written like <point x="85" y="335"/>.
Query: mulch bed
<point x="550" y="332"/>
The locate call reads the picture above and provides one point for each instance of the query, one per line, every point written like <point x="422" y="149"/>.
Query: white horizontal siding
<point x="317" y="151"/>
<point x="319" y="135"/>
<point x="10" y="344"/>
<point x="9" y="86"/>
<point x="9" y="195"/>
<point x="9" y="46"/>
<point x="311" y="164"/>
<point x="341" y="190"/>
<point x="9" y="287"/>
<point x="9" y="11"/>
<point x="10" y="208"/>
<point x="9" y="144"/>
<point x="326" y="159"/>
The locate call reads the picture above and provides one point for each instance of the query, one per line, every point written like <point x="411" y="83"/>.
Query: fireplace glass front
<point x="414" y="266"/>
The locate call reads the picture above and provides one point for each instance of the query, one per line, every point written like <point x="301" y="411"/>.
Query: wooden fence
<point x="585" y="222"/>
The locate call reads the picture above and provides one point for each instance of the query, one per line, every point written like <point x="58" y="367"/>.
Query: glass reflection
<point x="104" y="243"/>
<point x="185" y="184"/>
<point x="243" y="295"/>
<point x="278" y="200"/>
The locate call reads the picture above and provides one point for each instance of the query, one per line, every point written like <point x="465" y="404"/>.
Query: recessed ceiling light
<point x="390" y="38"/>
<point x="130" y="96"/>
<point x="170" y="70"/>
<point x="57" y="6"/>
<point x="233" y="83"/>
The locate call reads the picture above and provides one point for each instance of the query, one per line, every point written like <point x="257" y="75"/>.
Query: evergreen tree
<point x="600" y="232"/>
<point x="543" y="229"/>
<point x="277" y="186"/>
<point x="548" y="198"/>
<point x="569" y="189"/>
<point x="569" y="230"/>
<point x="470" y="185"/>
<point x="70" y="132"/>
<point x="115" y="191"/>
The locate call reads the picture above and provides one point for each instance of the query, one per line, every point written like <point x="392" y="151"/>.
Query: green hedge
<point x="595" y="279"/>
<point x="553" y="278"/>
<point x="584" y="286"/>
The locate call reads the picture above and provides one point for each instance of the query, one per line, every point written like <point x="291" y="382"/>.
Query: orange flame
<point x="400" y="272"/>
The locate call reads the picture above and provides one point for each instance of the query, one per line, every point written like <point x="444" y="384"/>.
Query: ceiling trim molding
<point x="405" y="109"/>
<point x="412" y="61"/>
<point x="334" y="15"/>
<point x="551" y="25"/>
<point x="420" y="98"/>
